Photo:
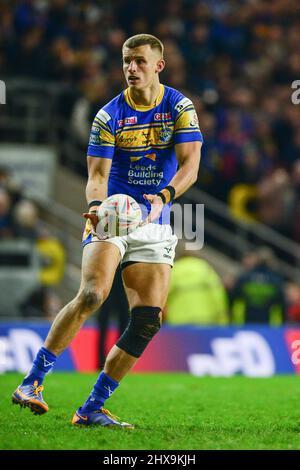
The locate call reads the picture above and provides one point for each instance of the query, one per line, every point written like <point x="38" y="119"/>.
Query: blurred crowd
<point x="235" y="59"/>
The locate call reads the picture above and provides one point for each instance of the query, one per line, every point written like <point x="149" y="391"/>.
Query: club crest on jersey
<point x="166" y="134"/>
<point x="127" y="120"/>
<point x="162" y="116"/>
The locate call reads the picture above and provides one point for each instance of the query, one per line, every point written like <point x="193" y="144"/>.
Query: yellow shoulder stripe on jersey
<point x="146" y="126"/>
<point x="139" y="107"/>
<point x="101" y="123"/>
<point x="180" y="131"/>
<point x="148" y="147"/>
<point x="190" y="107"/>
<point x="106" y="144"/>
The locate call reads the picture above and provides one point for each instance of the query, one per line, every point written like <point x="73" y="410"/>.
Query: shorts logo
<point x="127" y="120"/>
<point x="168" y="250"/>
<point x="162" y="116"/>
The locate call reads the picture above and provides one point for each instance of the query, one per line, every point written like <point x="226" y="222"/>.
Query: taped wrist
<point x="167" y="194"/>
<point x="95" y="202"/>
<point x="144" y="323"/>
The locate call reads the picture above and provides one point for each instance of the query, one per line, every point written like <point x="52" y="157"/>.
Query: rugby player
<point x="145" y="143"/>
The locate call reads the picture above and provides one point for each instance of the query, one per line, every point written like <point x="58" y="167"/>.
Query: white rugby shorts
<point x="152" y="243"/>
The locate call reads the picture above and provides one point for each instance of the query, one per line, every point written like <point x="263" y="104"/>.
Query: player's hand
<point x="94" y="219"/>
<point x="156" y="208"/>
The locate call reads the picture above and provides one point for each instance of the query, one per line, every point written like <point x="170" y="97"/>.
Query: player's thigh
<point x="146" y="284"/>
<point x="99" y="263"/>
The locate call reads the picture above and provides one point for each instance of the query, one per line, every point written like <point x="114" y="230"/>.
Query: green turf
<point x="171" y="411"/>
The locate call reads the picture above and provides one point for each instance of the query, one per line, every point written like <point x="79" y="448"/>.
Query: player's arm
<point x="188" y="155"/>
<point x="188" y="141"/>
<point x="96" y="188"/>
<point x="100" y="153"/>
<point x="98" y="173"/>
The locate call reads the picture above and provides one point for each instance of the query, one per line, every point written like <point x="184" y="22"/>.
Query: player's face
<point x="141" y="66"/>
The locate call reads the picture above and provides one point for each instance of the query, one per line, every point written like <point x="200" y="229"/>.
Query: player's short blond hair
<point x="143" y="40"/>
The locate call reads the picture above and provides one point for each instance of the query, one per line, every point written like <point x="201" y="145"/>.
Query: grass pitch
<point x="170" y="411"/>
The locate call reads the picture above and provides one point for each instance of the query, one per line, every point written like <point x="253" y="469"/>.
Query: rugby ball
<point x="118" y="215"/>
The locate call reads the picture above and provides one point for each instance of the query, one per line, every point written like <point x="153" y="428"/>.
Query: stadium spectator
<point x="8" y="183"/>
<point x="6" y="228"/>
<point x="95" y="93"/>
<point x="258" y="294"/>
<point x="25" y="217"/>
<point x="292" y="291"/>
<point x="197" y="295"/>
<point x="28" y="56"/>
<point x="293" y="211"/>
<point x="274" y="195"/>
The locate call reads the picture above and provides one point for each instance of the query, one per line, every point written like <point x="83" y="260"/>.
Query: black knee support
<point x="144" y="323"/>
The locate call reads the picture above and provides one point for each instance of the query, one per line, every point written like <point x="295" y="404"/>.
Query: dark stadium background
<point x="60" y="61"/>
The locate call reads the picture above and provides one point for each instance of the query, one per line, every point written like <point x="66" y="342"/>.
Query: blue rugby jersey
<point x="141" y="141"/>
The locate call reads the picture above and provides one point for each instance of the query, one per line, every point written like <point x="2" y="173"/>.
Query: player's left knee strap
<point x="144" y="323"/>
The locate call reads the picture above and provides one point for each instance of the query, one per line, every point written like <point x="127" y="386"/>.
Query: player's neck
<point x="145" y="97"/>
